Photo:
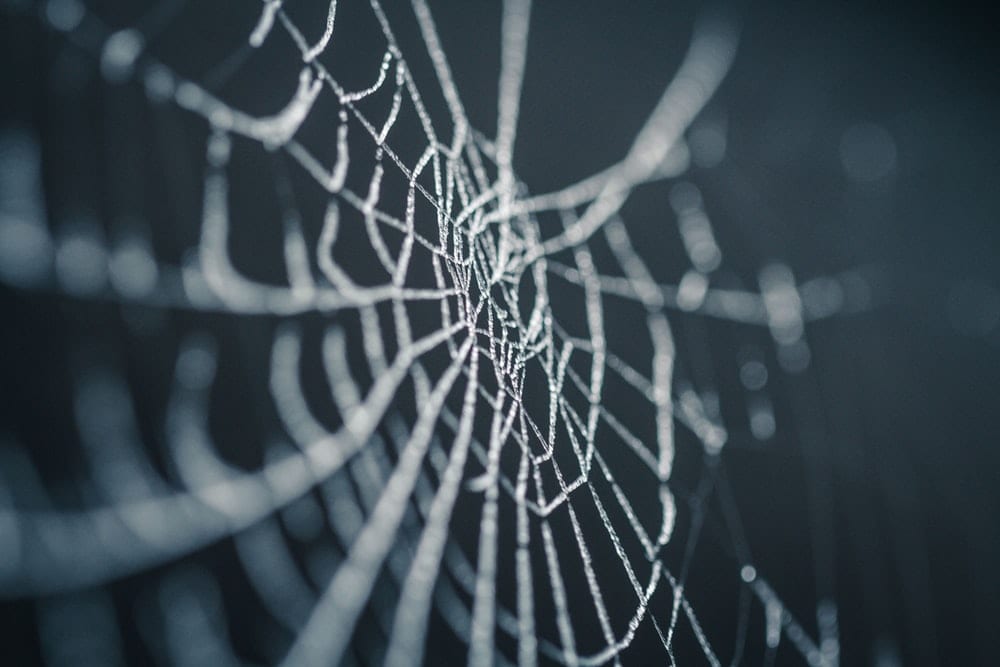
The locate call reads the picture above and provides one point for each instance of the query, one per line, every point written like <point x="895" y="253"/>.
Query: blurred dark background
<point x="902" y="394"/>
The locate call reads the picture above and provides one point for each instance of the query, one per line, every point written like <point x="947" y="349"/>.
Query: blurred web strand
<point x="488" y="240"/>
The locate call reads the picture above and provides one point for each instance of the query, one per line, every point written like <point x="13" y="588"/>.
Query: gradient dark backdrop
<point x="910" y="394"/>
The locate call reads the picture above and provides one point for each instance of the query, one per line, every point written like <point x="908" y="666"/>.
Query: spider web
<point x="462" y="437"/>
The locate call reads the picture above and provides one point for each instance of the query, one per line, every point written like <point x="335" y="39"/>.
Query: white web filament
<point x="391" y="480"/>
